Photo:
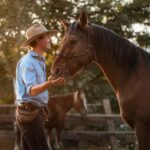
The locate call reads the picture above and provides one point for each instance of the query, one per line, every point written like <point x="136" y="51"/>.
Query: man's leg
<point x="33" y="135"/>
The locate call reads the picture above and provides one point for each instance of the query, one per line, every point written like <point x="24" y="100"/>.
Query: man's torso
<point x="30" y="71"/>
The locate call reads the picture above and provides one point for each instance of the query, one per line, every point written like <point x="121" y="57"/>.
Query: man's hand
<point x="56" y="81"/>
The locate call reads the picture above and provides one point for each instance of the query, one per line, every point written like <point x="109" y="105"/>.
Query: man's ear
<point x="64" y="24"/>
<point x="83" y="19"/>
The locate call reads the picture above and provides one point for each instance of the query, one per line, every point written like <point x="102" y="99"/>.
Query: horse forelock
<point x="73" y="27"/>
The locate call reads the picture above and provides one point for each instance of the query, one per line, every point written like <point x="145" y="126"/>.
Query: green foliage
<point x="16" y="16"/>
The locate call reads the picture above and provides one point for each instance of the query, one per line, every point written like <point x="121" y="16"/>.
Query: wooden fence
<point x="108" y="120"/>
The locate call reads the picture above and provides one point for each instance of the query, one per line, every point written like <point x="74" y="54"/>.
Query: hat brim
<point x="27" y="42"/>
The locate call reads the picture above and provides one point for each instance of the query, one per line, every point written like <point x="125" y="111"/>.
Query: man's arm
<point x="29" y="79"/>
<point x="37" y="89"/>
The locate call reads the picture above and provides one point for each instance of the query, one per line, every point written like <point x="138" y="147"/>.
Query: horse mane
<point x="115" y="47"/>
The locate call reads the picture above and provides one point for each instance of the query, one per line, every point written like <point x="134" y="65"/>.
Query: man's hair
<point x="34" y="42"/>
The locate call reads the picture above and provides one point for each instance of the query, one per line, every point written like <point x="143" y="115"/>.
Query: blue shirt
<point x="30" y="71"/>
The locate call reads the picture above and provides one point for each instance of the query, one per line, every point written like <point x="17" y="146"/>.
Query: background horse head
<point x="126" y="66"/>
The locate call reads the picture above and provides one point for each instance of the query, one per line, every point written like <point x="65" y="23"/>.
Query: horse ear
<point x="64" y="24"/>
<point x="83" y="19"/>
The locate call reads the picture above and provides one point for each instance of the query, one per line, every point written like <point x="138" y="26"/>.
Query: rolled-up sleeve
<point x="28" y="77"/>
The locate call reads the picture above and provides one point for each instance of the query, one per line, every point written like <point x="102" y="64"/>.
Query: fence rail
<point x="95" y="120"/>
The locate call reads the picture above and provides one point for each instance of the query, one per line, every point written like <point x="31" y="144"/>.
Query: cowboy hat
<point x="34" y="32"/>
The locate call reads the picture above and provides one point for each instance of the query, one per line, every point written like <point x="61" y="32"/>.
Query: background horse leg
<point x="59" y="144"/>
<point x="143" y="136"/>
<point x="56" y="146"/>
<point x="17" y="139"/>
<point x="59" y="140"/>
<point x="49" y="142"/>
<point x="48" y="136"/>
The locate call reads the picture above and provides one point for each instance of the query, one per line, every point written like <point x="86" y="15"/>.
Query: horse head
<point x="75" y="49"/>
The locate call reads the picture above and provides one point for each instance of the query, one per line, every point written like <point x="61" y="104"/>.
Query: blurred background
<point x="129" y="18"/>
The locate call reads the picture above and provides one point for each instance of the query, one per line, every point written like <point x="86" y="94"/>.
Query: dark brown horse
<point x="58" y="106"/>
<point x="126" y="66"/>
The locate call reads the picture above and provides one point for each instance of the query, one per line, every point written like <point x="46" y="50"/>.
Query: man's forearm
<point x="37" y="89"/>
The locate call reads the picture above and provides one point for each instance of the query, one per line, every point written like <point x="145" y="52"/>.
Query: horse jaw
<point x="75" y="75"/>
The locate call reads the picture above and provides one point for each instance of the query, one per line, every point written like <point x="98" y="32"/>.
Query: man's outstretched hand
<point x="56" y="81"/>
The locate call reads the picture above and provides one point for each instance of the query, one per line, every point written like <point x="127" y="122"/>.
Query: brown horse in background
<point x="126" y="66"/>
<point x="58" y="106"/>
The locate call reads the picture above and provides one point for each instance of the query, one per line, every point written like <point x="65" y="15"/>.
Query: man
<point x="32" y="89"/>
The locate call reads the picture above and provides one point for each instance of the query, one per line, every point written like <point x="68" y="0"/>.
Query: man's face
<point x="45" y="42"/>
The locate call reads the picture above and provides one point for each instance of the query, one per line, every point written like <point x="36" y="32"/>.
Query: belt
<point x="31" y="106"/>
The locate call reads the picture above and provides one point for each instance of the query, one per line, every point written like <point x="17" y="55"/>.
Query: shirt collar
<point x="36" y="55"/>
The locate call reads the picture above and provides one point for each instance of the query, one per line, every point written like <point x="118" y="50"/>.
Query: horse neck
<point x="113" y="72"/>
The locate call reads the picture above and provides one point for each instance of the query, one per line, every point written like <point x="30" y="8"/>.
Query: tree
<point x="16" y="16"/>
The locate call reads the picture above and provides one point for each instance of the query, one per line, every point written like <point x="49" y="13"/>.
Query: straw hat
<point x="34" y="32"/>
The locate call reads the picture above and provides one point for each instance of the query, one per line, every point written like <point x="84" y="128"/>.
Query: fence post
<point x="111" y="126"/>
<point x="81" y="143"/>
